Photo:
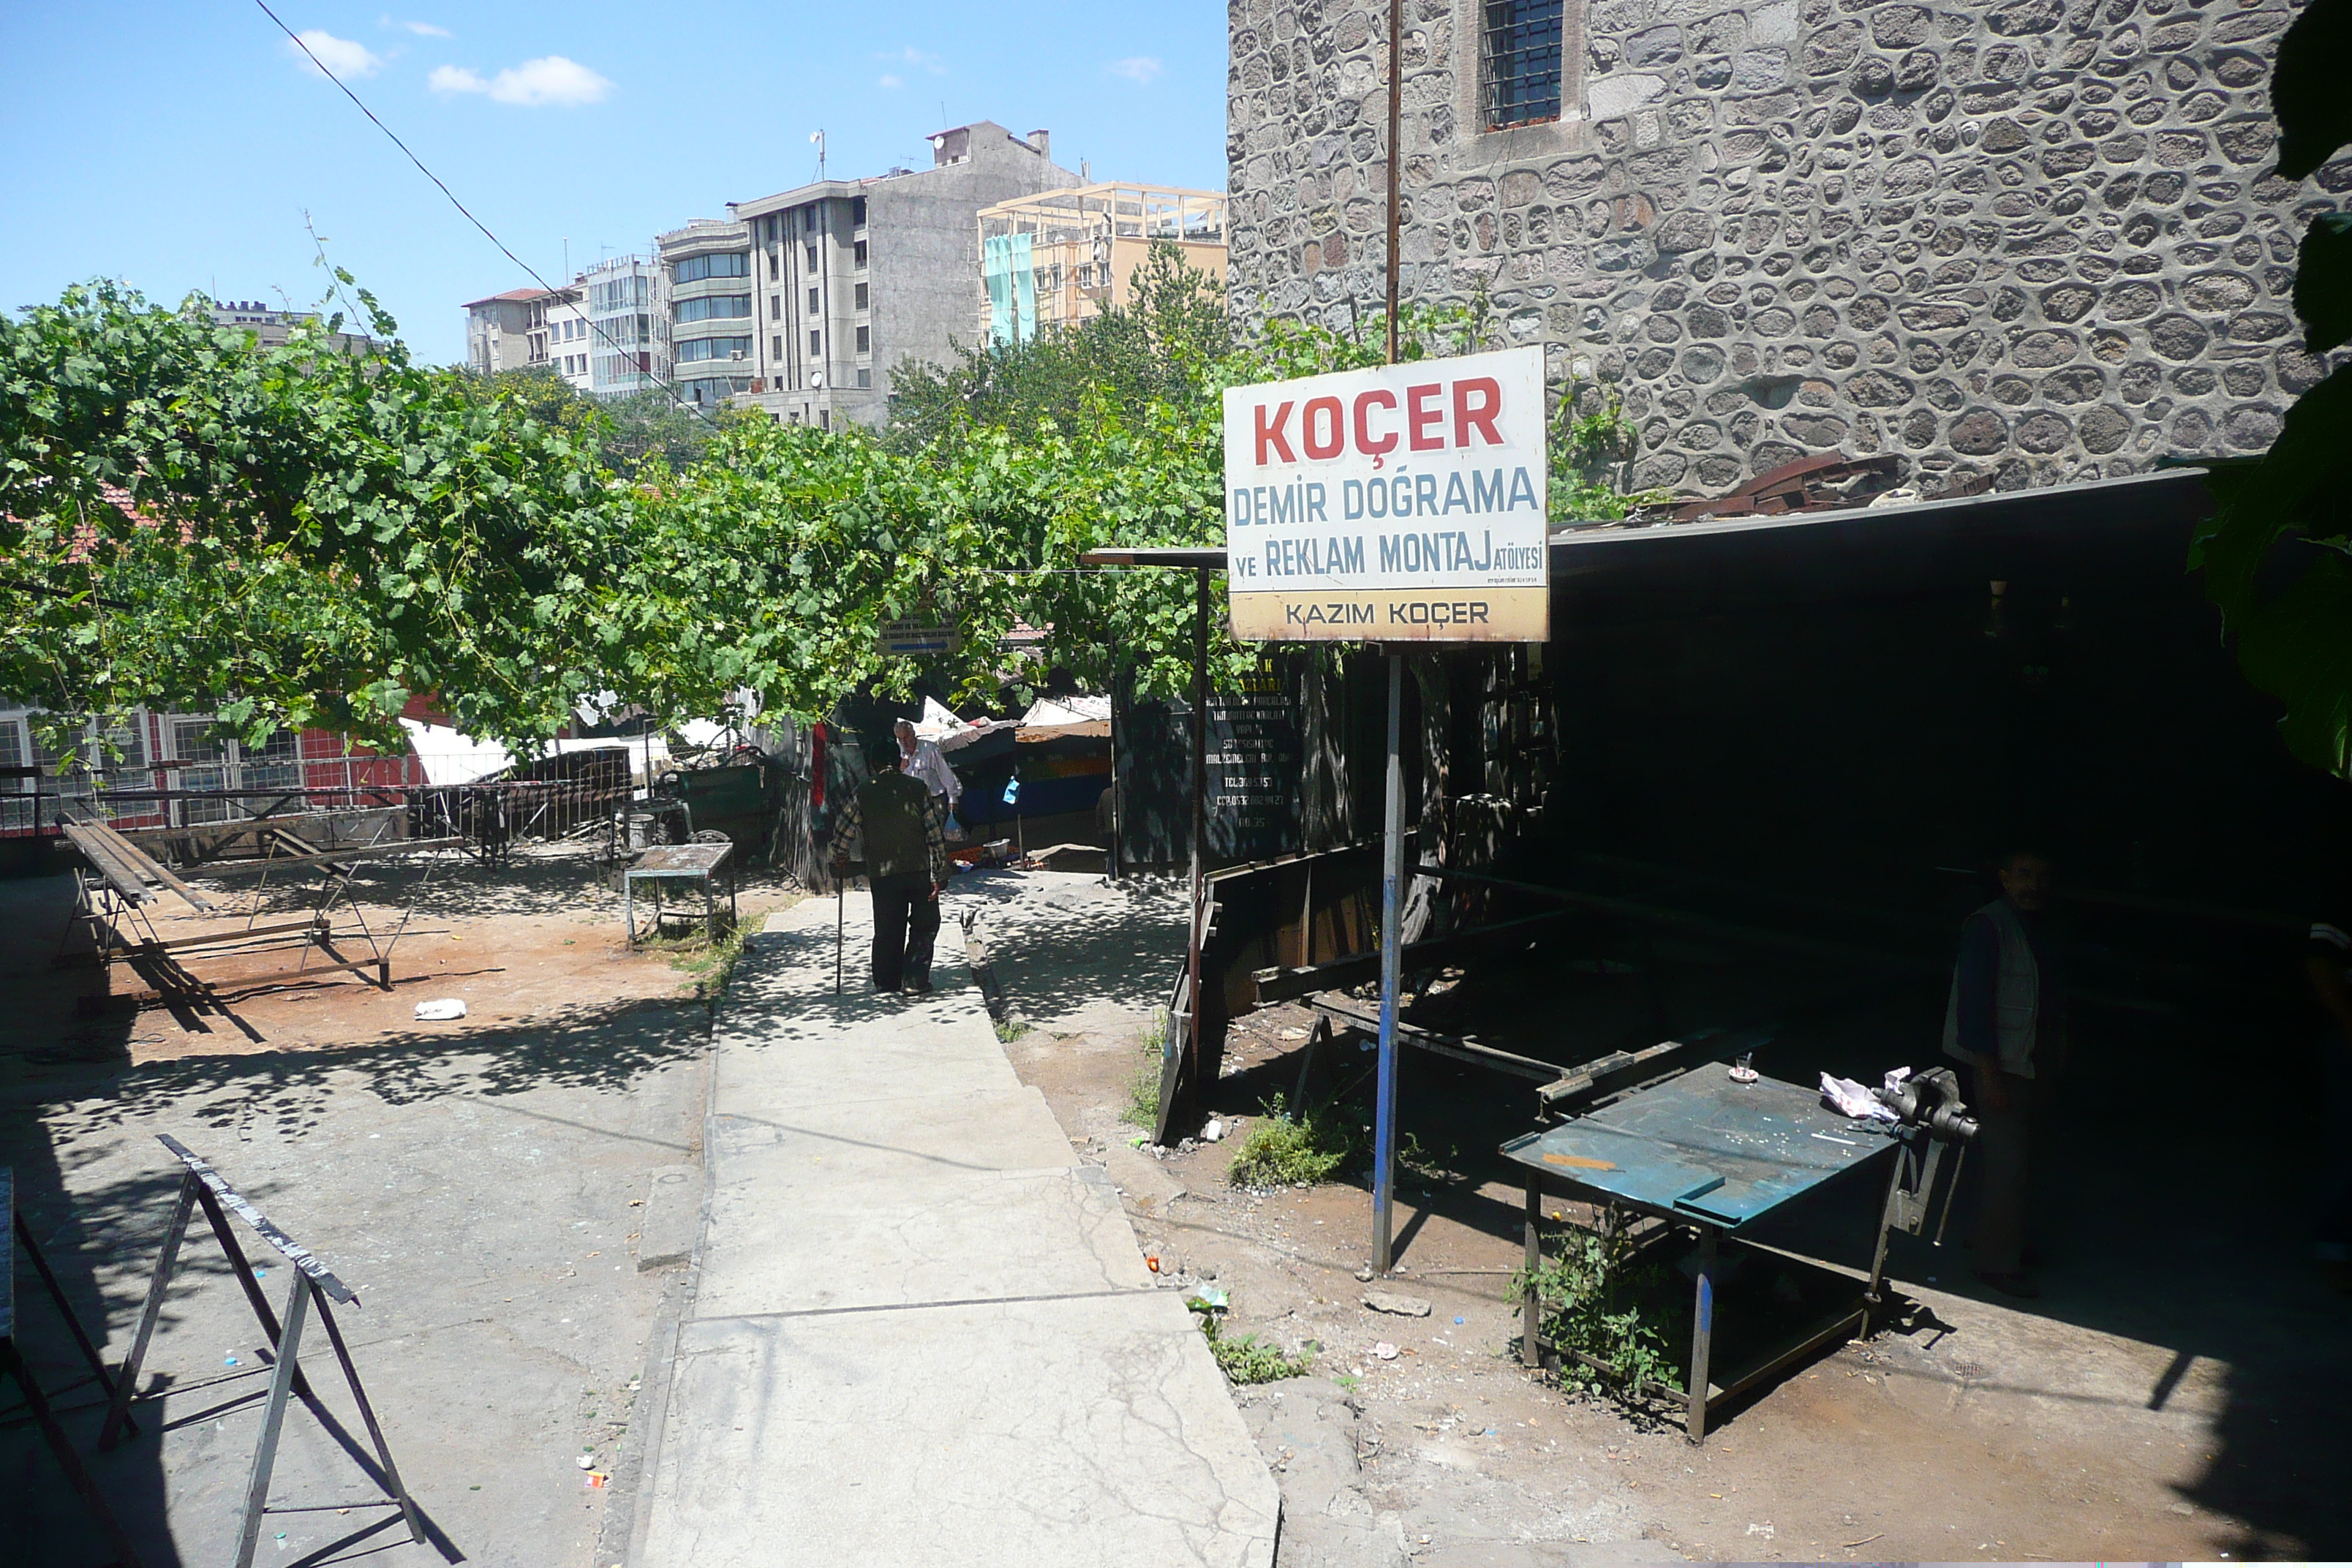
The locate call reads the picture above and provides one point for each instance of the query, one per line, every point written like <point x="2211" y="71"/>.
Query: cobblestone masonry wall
<point x="2038" y="238"/>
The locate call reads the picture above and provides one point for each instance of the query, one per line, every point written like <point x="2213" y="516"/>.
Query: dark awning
<point x="2103" y="531"/>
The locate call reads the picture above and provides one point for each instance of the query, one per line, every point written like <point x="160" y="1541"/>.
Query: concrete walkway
<point x="920" y="1332"/>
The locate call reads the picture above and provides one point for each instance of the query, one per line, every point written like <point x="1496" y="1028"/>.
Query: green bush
<point x="1283" y="1150"/>
<point x="1596" y="1300"/>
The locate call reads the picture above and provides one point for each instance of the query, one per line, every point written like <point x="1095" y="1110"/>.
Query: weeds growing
<point x="1247" y="1359"/>
<point x="1283" y="1150"/>
<point x="708" y="962"/>
<point x="1143" y="1085"/>
<point x="1599" y="1302"/>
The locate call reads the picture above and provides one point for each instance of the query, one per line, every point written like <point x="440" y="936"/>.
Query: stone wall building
<point x="2037" y="239"/>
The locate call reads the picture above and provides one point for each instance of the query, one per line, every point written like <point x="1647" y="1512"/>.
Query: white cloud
<point x="1138" y="69"/>
<point x="889" y="81"/>
<point x="552" y="79"/>
<point x="342" y="56"/>
<point x="917" y="59"/>
<point x="426" y="29"/>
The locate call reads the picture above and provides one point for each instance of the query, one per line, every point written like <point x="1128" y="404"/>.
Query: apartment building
<point x="530" y="328"/>
<point x="847" y="278"/>
<point x="1061" y="257"/>
<point x="274" y="326"/>
<point x="561" y="336"/>
<point x="497" y="331"/>
<point x="628" y="326"/>
<point x="708" y="269"/>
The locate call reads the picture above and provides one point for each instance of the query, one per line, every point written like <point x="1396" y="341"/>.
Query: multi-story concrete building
<point x="606" y="333"/>
<point x="628" y="326"/>
<point x="499" y="330"/>
<point x="2020" y="240"/>
<point x="273" y="326"/>
<point x="852" y="276"/>
<point x="708" y="273"/>
<point x="1061" y="257"/>
<point x="529" y="329"/>
<point x="560" y="334"/>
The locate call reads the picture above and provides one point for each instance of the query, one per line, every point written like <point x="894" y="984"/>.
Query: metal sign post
<point x="1393" y="813"/>
<point x="1392" y="918"/>
<point x="1408" y="503"/>
<point x="312" y="1289"/>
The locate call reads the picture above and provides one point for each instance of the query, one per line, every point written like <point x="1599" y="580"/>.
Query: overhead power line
<point x="440" y="185"/>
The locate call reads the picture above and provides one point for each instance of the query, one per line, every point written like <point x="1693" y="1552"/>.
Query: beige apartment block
<point x="1061" y="257"/>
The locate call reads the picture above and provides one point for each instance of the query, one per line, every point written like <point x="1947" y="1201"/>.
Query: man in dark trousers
<point x="904" y="828"/>
<point x="2007" y="1020"/>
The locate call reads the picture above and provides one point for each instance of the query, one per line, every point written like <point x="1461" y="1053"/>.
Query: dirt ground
<point x="2067" y="1431"/>
<point x="535" y="935"/>
<point x="481" y="1185"/>
<point x="2173" y="1397"/>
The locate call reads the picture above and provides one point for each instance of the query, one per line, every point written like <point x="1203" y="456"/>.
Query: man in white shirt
<point x="921" y="759"/>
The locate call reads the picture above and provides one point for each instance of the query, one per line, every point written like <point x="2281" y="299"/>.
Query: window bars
<point x="1519" y="76"/>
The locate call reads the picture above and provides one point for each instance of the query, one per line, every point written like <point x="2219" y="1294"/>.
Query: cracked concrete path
<point x="920" y="1330"/>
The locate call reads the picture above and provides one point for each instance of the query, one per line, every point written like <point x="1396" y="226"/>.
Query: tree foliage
<point x="310" y="538"/>
<point x="295" y="535"/>
<point x="2277" y="554"/>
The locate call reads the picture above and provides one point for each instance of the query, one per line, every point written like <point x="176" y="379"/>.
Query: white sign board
<point x="1402" y="503"/>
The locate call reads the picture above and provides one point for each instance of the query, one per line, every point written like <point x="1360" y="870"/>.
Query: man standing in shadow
<point x="904" y="828"/>
<point x="2007" y="1020"/>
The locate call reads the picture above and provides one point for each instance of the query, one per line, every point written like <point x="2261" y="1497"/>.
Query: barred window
<point x="1519" y="67"/>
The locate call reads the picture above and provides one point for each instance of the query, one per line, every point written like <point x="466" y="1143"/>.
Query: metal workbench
<point x="1700" y="1150"/>
<point x="697" y="862"/>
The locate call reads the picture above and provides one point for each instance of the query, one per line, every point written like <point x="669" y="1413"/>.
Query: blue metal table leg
<point x="1702" y="1332"/>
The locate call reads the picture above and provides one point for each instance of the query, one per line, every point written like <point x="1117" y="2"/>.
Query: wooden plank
<point x="295" y="862"/>
<point x="188" y="984"/>
<point x="1280" y="984"/>
<point x="1348" y="1010"/>
<point x="355" y="965"/>
<point x="225" y="938"/>
<point x="143" y="863"/>
<point x="119" y="874"/>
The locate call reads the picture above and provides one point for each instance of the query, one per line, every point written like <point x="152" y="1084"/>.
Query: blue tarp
<point x="1006" y="267"/>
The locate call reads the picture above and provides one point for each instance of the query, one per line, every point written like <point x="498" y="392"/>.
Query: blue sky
<point x="179" y="145"/>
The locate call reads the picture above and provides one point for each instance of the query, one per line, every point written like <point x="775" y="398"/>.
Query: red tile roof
<point x="517" y="295"/>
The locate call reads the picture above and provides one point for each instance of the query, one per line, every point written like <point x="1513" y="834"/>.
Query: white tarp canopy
<point x="951" y="733"/>
<point x="452" y="758"/>
<point x="1052" y="712"/>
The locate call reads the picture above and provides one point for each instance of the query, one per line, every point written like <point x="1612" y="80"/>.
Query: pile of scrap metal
<point x="1808" y="484"/>
<point x="478" y="791"/>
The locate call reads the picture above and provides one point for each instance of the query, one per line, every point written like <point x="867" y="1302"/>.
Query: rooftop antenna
<point x="818" y="137"/>
<point x="567" y="255"/>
